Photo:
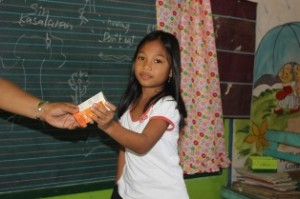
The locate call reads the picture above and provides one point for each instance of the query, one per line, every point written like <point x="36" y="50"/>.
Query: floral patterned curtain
<point x="201" y="146"/>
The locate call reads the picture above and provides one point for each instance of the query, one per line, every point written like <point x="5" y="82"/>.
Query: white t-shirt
<point x="156" y="174"/>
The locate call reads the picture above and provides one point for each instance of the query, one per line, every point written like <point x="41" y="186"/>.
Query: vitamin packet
<point x="83" y="117"/>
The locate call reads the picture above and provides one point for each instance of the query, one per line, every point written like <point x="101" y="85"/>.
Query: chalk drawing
<point x="89" y="7"/>
<point x="114" y="58"/>
<point x="78" y="82"/>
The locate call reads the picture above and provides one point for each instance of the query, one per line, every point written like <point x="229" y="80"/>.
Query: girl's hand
<point x="103" y="115"/>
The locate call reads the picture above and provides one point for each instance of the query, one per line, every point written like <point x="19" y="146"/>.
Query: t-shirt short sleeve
<point x="166" y="109"/>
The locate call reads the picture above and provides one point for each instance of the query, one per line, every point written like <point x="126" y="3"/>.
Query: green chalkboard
<point x="62" y="50"/>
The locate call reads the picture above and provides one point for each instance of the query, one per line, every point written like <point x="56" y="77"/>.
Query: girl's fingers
<point x="109" y="106"/>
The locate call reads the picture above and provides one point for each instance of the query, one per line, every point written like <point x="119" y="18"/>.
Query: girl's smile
<point x="145" y="75"/>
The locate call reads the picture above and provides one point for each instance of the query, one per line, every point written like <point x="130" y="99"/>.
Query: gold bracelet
<point x="40" y="108"/>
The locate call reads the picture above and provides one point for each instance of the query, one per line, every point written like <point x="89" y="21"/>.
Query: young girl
<point x="151" y="115"/>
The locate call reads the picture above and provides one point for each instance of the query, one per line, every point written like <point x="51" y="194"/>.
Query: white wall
<point x="271" y="13"/>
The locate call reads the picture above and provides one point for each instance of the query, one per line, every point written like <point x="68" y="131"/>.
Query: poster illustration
<point x="276" y="96"/>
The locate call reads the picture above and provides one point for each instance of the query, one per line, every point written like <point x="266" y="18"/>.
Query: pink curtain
<point x="201" y="146"/>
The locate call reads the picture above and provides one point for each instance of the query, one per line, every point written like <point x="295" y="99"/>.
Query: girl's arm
<point x="139" y="143"/>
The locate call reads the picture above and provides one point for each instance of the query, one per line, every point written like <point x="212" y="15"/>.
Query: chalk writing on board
<point x="41" y="17"/>
<point x="117" y="38"/>
<point x="150" y="28"/>
<point x="118" y="24"/>
<point x="78" y="83"/>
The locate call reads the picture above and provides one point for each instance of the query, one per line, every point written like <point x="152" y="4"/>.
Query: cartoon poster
<point x="276" y="95"/>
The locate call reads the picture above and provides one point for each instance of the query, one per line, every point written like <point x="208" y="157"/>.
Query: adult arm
<point x="15" y="100"/>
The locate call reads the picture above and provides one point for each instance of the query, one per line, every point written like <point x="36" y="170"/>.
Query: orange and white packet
<point x="83" y="117"/>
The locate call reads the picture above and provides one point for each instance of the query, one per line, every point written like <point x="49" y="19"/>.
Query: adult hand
<point x="59" y="114"/>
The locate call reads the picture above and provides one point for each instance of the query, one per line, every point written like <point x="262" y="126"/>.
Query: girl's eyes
<point x="157" y="61"/>
<point x="140" y="58"/>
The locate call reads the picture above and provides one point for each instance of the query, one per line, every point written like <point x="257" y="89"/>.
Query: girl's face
<point x="152" y="66"/>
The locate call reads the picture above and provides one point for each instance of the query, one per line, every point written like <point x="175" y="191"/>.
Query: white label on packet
<point x="99" y="97"/>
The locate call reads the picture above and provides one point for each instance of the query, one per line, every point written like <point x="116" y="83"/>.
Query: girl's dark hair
<point x="172" y="86"/>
